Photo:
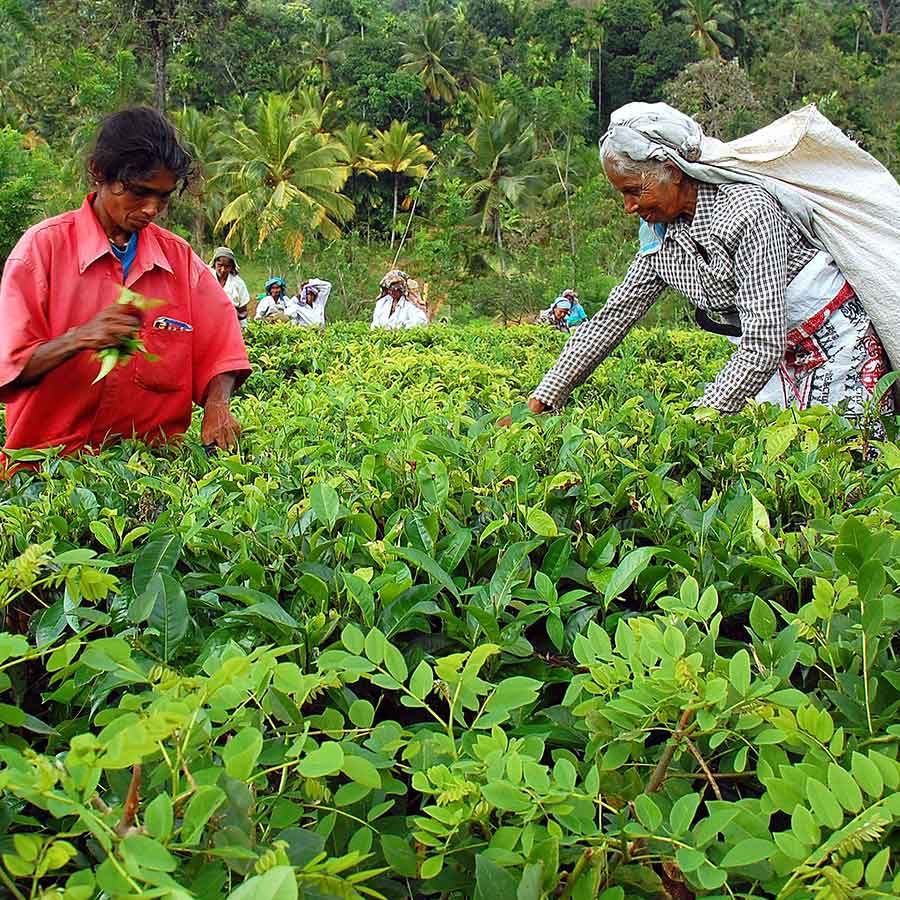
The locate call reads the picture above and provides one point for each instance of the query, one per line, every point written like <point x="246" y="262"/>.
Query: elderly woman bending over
<point x="802" y="335"/>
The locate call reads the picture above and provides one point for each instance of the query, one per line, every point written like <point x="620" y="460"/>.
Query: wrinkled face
<point x="559" y="313"/>
<point x="396" y="291"/>
<point x="653" y="200"/>
<point x="133" y="206"/>
<point x="224" y="266"/>
<point x="275" y="291"/>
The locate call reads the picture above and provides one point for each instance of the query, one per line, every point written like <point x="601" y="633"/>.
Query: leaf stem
<point x="583" y="862"/>
<point x="11" y="886"/>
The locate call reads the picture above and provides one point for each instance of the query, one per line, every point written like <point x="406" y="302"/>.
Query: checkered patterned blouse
<point x="737" y="255"/>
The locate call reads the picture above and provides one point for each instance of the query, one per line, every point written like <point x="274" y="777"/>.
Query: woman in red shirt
<point x="58" y="307"/>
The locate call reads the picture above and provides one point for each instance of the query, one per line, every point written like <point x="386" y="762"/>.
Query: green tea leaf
<point x="493" y="882"/>
<point x="762" y="619"/>
<point x="422" y="680"/>
<point x="748" y="852"/>
<point x="627" y="571"/>
<point x="326" y="760"/>
<point x="541" y="522"/>
<point x="325" y="503"/>
<point x="241" y="753"/>
<point x="279" y="883"/>
<point x="427" y="564"/>
<point x="169" y="615"/>
<point x="158" y="557"/>
<point x="207" y="799"/>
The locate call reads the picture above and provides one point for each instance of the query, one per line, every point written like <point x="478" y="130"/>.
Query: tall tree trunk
<point x="160" y="58"/>
<point x="199" y="226"/>
<point x="599" y="86"/>
<point x="885" y="8"/>
<point x="572" y="244"/>
<point x="394" y="217"/>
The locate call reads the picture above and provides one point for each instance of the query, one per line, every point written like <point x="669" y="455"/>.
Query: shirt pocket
<point x="171" y="369"/>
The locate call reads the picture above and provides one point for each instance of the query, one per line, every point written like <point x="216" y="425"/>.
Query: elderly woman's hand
<point x="534" y="405"/>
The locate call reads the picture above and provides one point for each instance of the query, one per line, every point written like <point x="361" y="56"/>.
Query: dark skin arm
<point x="106" y="329"/>
<point x="534" y="405"/>
<point x="219" y="427"/>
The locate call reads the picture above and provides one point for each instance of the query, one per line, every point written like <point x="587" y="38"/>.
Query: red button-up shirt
<point x="59" y="276"/>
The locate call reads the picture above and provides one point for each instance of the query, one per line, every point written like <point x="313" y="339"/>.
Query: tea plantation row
<point x="389" y="650"/>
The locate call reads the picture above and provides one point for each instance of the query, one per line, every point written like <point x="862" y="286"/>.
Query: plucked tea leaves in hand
<point x="122" y="354"/>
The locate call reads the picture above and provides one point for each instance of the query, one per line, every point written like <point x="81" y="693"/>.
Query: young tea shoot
<point x="122" y="353"/>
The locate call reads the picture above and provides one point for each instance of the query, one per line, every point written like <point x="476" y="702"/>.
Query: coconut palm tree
<point x="402" y="154"/>
<point x="432" y="54"/>
<point x="358" y="148"/>
<point x="319" y="108"/>
<point x="861" y="16"/>
<point x="203" y="134"/>
<point x="705" y="18"/>
<point x="502" y="168"/>
<point x="324" y="48"/>
<point x="284" y="178"/>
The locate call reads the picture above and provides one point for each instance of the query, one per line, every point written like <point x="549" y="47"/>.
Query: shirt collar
<point x="93" y="243"/>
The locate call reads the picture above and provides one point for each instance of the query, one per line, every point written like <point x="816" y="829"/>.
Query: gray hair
<point x="621" y="164"/>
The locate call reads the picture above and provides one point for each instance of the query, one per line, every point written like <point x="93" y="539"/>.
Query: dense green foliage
<point x="403" y="123"/>
<point x="24" y="176"/>
<point x="388" y="649"/>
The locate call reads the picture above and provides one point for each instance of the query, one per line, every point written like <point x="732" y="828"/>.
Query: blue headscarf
<point x="277" y="279"/>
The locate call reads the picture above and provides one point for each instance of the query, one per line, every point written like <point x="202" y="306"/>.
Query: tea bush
<point x="389" y="650"/>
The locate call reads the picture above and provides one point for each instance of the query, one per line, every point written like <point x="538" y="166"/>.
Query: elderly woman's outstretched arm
<point x="597" y="338"/>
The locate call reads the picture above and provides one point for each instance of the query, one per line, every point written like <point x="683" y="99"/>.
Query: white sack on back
<point x="843" y="199"/>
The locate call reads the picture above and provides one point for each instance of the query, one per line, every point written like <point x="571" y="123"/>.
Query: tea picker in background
<point x="273" y="302"/>
<point x="308" y="307"/>
<point x="414" y="294"/>
<point x="58" y="301"/>
<point x="556" y="315"/>
<point x="394" y="309"/>
<point x="577" y="315"/>
<point x="752" y="250"/>
<point x="226" y="270"/>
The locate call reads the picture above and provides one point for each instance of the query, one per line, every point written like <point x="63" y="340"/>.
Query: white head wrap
<point x="653" y="131"/>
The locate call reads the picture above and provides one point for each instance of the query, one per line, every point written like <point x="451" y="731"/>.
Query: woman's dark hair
<point x="134" y="143"/>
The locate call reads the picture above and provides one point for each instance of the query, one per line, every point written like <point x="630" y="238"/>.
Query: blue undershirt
<point x="126" y="256"/>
